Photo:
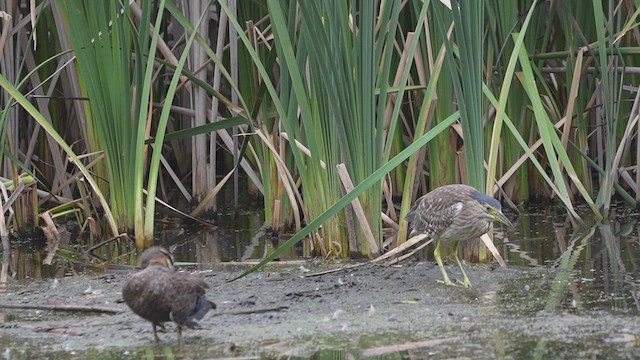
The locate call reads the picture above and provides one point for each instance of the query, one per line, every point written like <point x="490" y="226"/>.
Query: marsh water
<point x="565" y="294"/>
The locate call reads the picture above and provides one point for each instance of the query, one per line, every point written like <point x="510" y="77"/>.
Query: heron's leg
<point x="466" y="282"/>
<point x="436" y="254"/>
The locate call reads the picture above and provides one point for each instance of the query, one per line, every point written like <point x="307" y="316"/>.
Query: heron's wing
<point x="411" y="215"/>
<point x="433" y="214"/>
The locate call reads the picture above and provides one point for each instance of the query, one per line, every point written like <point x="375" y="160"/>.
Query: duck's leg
<point x="155" y="333"/>
<point x="180" y="336"/>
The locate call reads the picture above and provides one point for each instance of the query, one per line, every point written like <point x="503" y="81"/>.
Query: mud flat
<point x="398" y="312"/>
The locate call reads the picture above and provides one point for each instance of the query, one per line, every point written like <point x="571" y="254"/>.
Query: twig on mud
<point x="401" y="258"/>
<point x="255" y="311"/>
<point x="407" y="244"/>
<point x="78" y="308"/>
<point x="331" y="271"/>
<point x="377" y="351"/>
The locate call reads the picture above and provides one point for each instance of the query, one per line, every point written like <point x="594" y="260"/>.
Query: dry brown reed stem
<point x="357" y="208"/>
<point x="6" y="247"/>
<point x="6" y="24"/>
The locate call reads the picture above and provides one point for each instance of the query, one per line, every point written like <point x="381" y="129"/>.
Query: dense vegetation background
<point x="331" y="112"/>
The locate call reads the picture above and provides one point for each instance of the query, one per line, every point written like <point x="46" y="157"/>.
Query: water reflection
<point x="239" y="237"/>
<point x="588" y="270"/>
<point x="585" y="270"/>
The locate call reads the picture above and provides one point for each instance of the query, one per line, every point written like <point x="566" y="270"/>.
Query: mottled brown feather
<point x="437" y="214"/>
<point x="159" y="294"/>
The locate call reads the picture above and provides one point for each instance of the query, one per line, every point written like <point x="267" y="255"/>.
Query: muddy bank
<point x="508" y="313"/>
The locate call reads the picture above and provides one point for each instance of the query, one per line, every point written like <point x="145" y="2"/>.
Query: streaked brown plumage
<point x="159" y="294"/>
<point x="454" y="213"/>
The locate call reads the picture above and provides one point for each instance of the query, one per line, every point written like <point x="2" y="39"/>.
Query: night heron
<point x="454" y="213"/>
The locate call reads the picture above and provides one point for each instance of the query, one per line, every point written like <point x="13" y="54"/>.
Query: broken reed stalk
<point x="406" y="245"/>
<point x="53" y="237"/>
<point x="74" y="308"/>
<point x="6" y="247"/>
<point x="357" y="208"/>
<point x="254" y="311"/>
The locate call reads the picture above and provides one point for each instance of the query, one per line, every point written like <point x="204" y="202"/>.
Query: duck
<point x="158" y="293"/>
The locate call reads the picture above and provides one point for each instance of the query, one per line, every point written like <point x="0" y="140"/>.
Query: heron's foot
<point x="466" y="283"/>
<point x="447" y="282"/>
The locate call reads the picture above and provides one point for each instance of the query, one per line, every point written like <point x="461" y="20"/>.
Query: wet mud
<point x="370" y="311"/>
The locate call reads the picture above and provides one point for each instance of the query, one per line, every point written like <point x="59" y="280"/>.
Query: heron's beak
<point x="499" y="216"/>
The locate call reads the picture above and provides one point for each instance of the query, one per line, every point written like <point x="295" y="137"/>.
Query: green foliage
<point x="101" y="39"/>
<point x="469" y="20"/>
<point x="120" y="93"/>
<point x="543" y="89"/>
